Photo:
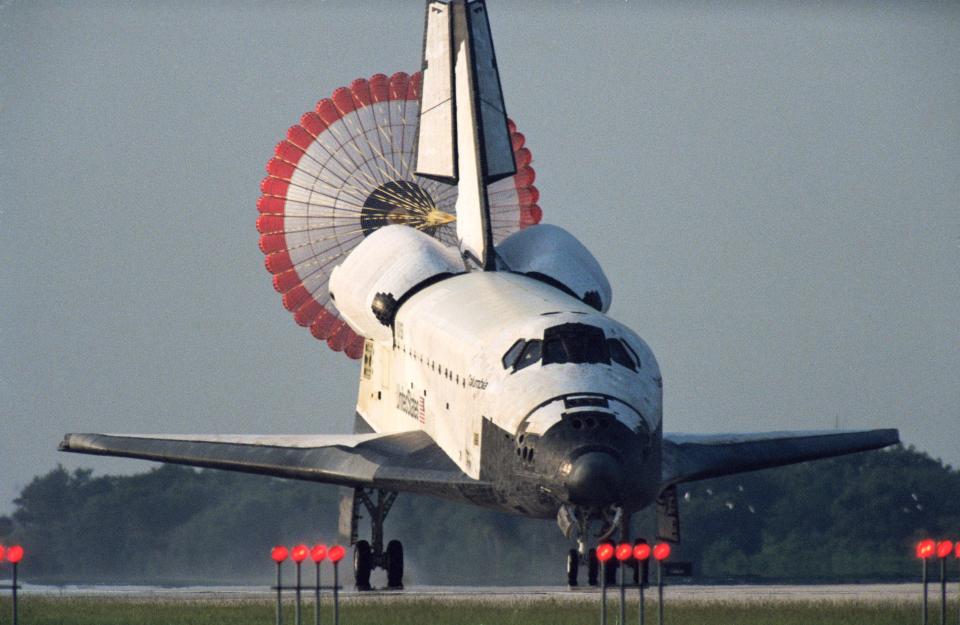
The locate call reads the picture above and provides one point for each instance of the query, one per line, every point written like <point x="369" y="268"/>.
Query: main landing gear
<point x="368" y="556"/>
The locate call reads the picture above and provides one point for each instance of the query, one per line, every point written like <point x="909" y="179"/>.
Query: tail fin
<point x="462" y="136"/>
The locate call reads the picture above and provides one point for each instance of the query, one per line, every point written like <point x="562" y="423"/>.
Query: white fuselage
<point x="443" y="372"/>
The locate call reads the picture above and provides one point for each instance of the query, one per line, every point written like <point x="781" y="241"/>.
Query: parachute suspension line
<point x="343" y="182"/>
<point x="367" y="176"/>
<point x="405" y="170"/>
<point x="313" y="190"/>
<point x="443" y="191"/>
<point x="328" y="260"/>
<point x="372" y="177"/>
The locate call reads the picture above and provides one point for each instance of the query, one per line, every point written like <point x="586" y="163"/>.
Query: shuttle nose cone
<point x="596" y="479"/>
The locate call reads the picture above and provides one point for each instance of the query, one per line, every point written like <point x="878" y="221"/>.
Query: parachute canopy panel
<point x="346" y="170"/>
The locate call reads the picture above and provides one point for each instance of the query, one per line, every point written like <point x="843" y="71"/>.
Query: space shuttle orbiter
<point x="399" y="221"/>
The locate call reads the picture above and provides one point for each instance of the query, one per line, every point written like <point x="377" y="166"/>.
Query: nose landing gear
<point x="575" y="522"/>
<point x="575" y="561"/>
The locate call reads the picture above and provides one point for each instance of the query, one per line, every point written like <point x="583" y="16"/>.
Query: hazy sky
<point x="772" y="188"/>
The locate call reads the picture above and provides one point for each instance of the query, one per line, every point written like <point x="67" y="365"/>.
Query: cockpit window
<point x="633" y="353"/>
<point x="554" y="351"/>
<point x="510" y="358"/>
<point x="620" y="355"/>
<point x="575" y="343"/>
<point x="530" y="355"/>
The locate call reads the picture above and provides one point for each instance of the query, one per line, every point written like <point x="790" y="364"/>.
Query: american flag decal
<point x="421" y="412"/>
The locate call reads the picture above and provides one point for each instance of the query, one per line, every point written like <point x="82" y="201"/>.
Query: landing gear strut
<point x="573" y="567"/>
<point x="371" y="555"/>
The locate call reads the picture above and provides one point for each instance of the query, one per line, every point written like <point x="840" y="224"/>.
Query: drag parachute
<point x="346" y="170"/>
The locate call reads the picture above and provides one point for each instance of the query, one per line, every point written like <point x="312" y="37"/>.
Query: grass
<point x="36" y="610"/>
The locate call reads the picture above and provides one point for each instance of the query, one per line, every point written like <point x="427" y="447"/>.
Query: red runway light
<point x="279" y="553"/>
<point x="624" y="551"/>
<point x="299" y="553"/>
<point x="641" y="552"/>
<point x="661" y="551"/>
<point x="336" y="553"/>
<point x="925" y="549"/>
<point x="944" y="548"/>
<point x="318" y="553"/>
<point x="14" y="554"/>
<point x="604" y="552"/>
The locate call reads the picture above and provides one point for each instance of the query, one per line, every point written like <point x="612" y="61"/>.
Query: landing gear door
<point x="471" y="446"/>
<point x="668" y="516"/>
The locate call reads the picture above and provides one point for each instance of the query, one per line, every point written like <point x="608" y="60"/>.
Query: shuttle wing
<point x="406" y="461"/>
<point x="687" y="458"/>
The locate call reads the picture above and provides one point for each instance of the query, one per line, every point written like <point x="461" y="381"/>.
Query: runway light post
<point x="623" y="553"/>
<point x="14" y="554"/>
<point x="956" y="554"/>
<point x="278" y="554"/>
<point x="925" y="550"/>
<point x="604" y="553"/>
<point x="318" y="554"/>
<point x="944" y="550"/>
<point x="641" y="553"/>
<point x="660" y="553"/>
<point x="336" y="554"/>
<point x="298" y="554"/>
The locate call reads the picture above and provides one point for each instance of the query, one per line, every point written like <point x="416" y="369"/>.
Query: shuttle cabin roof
<point x="490" y="308"/>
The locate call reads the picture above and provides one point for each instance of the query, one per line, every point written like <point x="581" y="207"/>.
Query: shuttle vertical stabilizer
<point x="462" y="136"/>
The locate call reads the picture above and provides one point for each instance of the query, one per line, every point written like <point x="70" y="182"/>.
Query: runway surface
<point x="866" y="593"/>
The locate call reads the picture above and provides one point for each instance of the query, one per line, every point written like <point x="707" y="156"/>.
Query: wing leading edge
<point x="687" y="458"/>
<point x="407" y="461"/>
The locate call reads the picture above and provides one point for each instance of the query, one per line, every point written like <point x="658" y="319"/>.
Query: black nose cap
<point x="595" y="479"/>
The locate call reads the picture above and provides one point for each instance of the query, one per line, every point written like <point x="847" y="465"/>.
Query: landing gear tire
<point x="593" y="567"/>
<point x="362" y="564"/>
<point x="573" y="567"/>
<point x="394" y="565"/>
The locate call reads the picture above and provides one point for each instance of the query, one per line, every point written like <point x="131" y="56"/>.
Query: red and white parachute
<point x="347" y="169"/>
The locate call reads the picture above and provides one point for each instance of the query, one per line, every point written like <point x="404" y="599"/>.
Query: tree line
<point x="853" y="518"/>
